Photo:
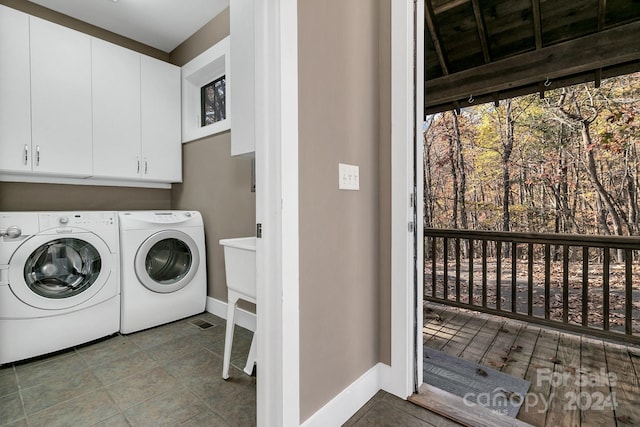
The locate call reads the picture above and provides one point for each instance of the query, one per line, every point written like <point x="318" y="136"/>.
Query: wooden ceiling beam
<point x="537" y="23"/>
<point x="482" y="31"/>
<point x="448" y="5"/>
<point x="430" y="20"/>
<point x="618" y="70"/>
<point x="613" y="46"/>
<point x="602" y="13"/>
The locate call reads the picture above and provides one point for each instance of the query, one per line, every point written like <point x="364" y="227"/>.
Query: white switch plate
<point x="348" y="177"/>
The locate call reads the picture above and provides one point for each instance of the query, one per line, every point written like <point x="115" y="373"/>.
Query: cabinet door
<point x="160" y="111"/>
<point x="60" y="100"/>
<point x="116" y="110"/>
<point x="15" y="105"/>
<point x="242" y="77"/>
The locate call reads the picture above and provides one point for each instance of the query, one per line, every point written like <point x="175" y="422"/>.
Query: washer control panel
<point x="76" y="219"/>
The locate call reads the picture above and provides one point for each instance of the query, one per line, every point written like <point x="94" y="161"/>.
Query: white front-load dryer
<point x="59" y="281"/>
<point x="163" y="266"/>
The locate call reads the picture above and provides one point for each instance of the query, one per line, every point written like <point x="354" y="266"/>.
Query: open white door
<point x="407" y="77"/>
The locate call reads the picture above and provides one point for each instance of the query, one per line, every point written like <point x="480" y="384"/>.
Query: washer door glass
<point x="167" y="261"/>
<point x="62" y="268"/>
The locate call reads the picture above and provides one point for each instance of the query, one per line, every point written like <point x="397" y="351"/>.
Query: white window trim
<point x="201" y="70"/>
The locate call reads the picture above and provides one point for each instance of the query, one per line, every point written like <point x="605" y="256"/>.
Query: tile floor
<point x="169" y="375"/>
<point x="387" y="410"/>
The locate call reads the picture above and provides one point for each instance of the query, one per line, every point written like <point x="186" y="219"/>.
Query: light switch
<point x="348" y="177"/>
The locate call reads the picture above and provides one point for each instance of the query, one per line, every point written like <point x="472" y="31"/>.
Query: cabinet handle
<point x="26" y="154"/>
<point x="138" y="170"/>
<point x="145" y="166"/>
<point x="37" y="155"/>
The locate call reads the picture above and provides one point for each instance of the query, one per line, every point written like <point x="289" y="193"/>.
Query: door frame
<point x="277" y="309"/>
<point x="277" y="278"/>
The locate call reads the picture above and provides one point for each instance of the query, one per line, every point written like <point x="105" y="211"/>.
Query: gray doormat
<point x="476" y="384"/>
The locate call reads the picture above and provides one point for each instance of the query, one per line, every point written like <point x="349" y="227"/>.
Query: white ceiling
<point x="162" y="24"/>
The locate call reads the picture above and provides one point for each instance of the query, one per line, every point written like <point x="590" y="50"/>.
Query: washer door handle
<point x="12" y="231"/>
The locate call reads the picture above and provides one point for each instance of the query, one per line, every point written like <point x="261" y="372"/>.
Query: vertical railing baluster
<point x="514" y="276"/>
<point x="628" y="291"/>
<point x="484" y="273"/>
<point x="471" y="241"/>
<point x="547" y="281"/>
<point x="585" y="286"/>
<point x="498" y="273"/>
<point x="457" y="270"/>
<point x="434" y="275"/>
<point x="445" y="267"/>
<point x="565" y="283"/>
<point x="530" y="280"/>
<point x="606" y="262"/>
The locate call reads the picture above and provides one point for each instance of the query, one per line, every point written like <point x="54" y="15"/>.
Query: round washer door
<point x="58" y="272"/>
<point x="167" y="261"/>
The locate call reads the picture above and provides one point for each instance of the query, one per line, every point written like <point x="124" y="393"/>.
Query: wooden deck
<point x="575" y="380"/>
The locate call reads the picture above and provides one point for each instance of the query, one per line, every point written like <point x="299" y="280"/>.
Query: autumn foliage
<point x="565" y="162"/>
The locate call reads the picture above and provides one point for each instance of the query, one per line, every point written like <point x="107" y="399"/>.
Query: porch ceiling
<point x="494" y="49"/>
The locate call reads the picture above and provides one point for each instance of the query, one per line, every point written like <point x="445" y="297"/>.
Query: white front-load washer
<point x="59" y="281"/>
<point x="163" y="266"/>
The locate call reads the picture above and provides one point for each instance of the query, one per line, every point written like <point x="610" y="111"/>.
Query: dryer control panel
<point x="185" y="218"/>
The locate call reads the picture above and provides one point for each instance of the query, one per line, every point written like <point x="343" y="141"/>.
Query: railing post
<point x="547" y="281"/>
<point x="471" y="242"/>
<point x="605" y="288"/>
<point x="514" y="278"/>
<point x="498" y="274"/>
<point x="585" y="286"/>
<point x="628" y="291"/>
<point x="530" y="280"/>
<point x="565" y="284"/>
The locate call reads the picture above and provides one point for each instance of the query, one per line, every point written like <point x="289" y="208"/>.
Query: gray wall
<point x="341" y="265"/>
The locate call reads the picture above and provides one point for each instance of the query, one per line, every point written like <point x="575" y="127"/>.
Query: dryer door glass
<point x="62" y="268"/>
<point x="168" y="261"/>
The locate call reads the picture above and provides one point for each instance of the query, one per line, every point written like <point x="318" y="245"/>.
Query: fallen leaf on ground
<point x="555" y="360"/>
<point x="497" y="364"/>
<point x="516" y="348"/>
<point x="626" y="419"/>
<point x="481" y="372"/>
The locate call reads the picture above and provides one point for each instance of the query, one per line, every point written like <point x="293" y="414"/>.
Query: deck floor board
<point x="567" y="371"/>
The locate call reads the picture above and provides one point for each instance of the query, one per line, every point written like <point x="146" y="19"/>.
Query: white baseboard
<point x="244" y="318"/>
<point x="344" y="405"/>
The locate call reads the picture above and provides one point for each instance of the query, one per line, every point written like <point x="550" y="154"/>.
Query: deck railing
<point x="586" y="284"/>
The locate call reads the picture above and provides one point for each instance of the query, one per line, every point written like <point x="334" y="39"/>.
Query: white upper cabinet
<point x="242" y="70"/>
<point x="60" y="100"/>
<point x="15" y="92"/>
<point x="73" y="106"/>
<point x="160" y="120"/>
<point x="116" y="111"/>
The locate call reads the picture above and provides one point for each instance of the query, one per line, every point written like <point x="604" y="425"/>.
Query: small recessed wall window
<point x="206" y="92"/>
